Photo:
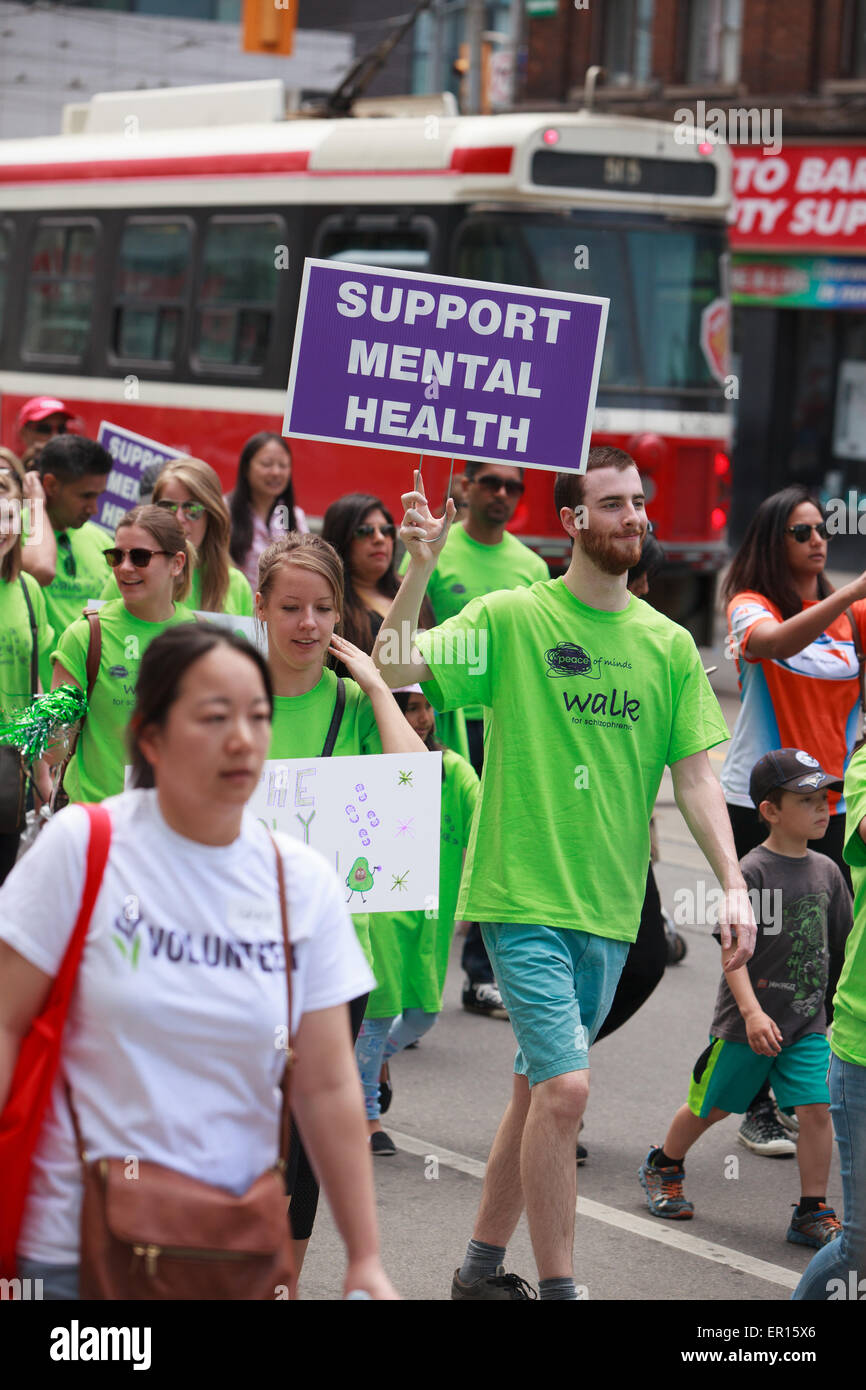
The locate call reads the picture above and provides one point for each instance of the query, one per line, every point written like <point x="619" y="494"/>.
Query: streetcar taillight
<point x="721" y="465"/>
<point x="719" y="518"/>
<point x="551" y="137"/>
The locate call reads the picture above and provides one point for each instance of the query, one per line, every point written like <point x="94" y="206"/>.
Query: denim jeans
<point x="369" y="1054"/>
<point x="836" y="1271"/>
<point x="59" y="1282"/>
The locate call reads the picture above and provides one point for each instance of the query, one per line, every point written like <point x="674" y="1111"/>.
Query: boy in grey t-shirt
<point x="769" y="1022"/>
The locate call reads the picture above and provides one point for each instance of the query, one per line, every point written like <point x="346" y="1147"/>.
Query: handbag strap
<point x="91" y="672"/>
<point x="285" y="1122"/>
<point x="97" y="857"/>
<point x="858" y="648"/>
<point x="336" y="718"/>
<point x="34" y="637"/>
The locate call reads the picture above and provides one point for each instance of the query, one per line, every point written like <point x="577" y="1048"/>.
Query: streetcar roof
<point x="437" y="158"/>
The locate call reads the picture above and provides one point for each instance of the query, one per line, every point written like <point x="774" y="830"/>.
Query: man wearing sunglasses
<point x="73" y="472"/>
<point x="479" y="557"/>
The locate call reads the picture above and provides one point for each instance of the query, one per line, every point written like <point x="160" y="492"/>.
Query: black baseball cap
<point x="793" y="770"/>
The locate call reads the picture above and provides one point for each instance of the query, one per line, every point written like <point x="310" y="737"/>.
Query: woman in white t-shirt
<point x="169" y="1046"/>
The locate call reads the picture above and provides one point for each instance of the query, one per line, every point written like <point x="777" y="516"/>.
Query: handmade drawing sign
<point x="457" y="368"/>
<point x="376" y="819"/>
<point x="130" y="454"/>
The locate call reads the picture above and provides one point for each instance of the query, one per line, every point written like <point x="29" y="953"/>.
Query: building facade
<point x="786" y="86"/>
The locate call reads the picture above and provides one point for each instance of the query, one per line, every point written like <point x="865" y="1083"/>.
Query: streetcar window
<point x="676" y="275"/>
<point x="60" y="290"/>
<point x="237" y="298"/>
<point x="151" y="293"/>
<point x="398" y="248"/>
<point x="5" y="241"/>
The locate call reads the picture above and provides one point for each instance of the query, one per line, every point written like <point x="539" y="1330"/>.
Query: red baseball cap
<point x="39" y="408"/>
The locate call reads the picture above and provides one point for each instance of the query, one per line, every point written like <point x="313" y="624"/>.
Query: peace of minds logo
<point x="569" y="659"/>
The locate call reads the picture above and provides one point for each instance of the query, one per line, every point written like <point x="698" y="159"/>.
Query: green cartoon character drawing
<point x="359" y="878"/>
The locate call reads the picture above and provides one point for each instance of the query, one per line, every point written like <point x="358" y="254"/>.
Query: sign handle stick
<point x="420" y="488"/>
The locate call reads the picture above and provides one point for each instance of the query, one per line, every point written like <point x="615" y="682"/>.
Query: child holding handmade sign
<point x="410" y="949"/>
<point x="299" y="601"/>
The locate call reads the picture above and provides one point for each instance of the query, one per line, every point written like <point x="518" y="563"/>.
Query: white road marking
<point x="651" y="1228"/>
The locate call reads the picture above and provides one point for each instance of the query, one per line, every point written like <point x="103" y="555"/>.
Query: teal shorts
<point x="728" y="1075"/>
<point x="558" y="987"/>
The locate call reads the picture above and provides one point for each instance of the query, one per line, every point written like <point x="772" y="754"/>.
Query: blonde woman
<point x="190" y="489"/>
<point x="152" y="561"/>
<point x="20" y="597"/>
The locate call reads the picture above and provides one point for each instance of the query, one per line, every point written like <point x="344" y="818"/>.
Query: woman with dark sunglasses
<point x="190" y="490"/>
<point x="362" y="531"/>
<point x="791" y="635"/>
<point x="152" y="562"/>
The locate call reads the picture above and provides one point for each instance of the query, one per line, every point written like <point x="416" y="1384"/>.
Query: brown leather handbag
<point x="164" y="1235"/>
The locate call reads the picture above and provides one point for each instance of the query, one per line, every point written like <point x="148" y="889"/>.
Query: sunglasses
<point x="69" y="564"/>
<point x="802" y="532"/>
<point x="45" y="427"/>
<point x="140" y="557"/>
<point x="191" y="510"/>
<point x="363" y="533"/>
<point x="494" y="484"/>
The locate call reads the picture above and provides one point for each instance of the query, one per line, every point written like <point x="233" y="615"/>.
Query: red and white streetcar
<point x="150" y="264"/>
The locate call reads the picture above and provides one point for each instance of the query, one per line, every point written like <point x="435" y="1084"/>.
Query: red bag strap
<point x="97" y="855"/>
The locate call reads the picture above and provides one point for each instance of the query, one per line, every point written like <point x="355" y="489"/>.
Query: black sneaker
<point x="381" y="1144"/>
<point x="490" y="1286"/>
<point x="484" y="999"/>
<point x="763" y="1134"/>
<point x="582" y="1155"/>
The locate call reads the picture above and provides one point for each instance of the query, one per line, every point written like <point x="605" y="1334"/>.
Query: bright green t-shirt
<point x="68" y="594"/>
<point x="466" y="569"/>
<point x="16" y="641"/>
<point x="584" y="709"/>
<point x="848" y="1036"/>
<point x="238" y="600"/>
<point x="96" y="769"/>
<point x="410" y="949"/>
<point x="300" y="727"/>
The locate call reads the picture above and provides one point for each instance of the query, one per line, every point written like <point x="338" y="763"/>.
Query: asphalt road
<point x="451" y="1091"/>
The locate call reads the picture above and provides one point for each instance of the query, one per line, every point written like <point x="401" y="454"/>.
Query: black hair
<point x="403" y="697"/>
<point x="472" y="467"/>
<point x="341" y="520"/>
<point x="241" y="500"/>
<point x="568" y="489"/>
<point x="69" y="457"/>
<point x="761" y="563"/>
<point x="652" y="557"/>
<point x="163" y="666"/>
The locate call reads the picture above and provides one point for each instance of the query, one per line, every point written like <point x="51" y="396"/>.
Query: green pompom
<point x="33" y="728"/>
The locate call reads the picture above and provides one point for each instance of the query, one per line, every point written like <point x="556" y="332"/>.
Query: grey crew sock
<point x="556" y="1288"/>
<point x="480" y="1260"/>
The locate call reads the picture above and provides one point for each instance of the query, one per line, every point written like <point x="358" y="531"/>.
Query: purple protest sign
<point x="456" y="368"/>
<point x="130" y="454"/>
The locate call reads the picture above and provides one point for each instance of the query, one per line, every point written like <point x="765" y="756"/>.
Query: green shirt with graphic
<point x="584" y="710"/>
<point x="848" y="1036"/>
<point x="81" y="573"/>
<point x="466" y="569"/>
<point x="411" y="949"/>
<point x="97" y="766"/>
<point x="300" y="727"/>
<point x="238" y="599"/>
<point x="16" y="641"/>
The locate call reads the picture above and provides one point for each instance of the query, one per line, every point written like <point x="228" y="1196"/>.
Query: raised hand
<point x="422" y="533"/>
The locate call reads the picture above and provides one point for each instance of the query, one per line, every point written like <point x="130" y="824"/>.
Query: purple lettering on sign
<point x="515" y="369"/>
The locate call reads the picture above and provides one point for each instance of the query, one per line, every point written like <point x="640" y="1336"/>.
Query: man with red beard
<point x="591" y="694"/>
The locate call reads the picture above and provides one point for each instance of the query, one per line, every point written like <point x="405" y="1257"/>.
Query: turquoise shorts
<point x="558" y="987"/>
<point x="728" y="1075"/>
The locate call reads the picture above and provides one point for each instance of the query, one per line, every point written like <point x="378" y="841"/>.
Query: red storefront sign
<point x="806" y="198"/>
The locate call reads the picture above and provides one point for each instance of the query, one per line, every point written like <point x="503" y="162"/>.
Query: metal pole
<point x="474" y="32"/>
<point x="515" y="37"/>
<point x="435" y="75"/>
